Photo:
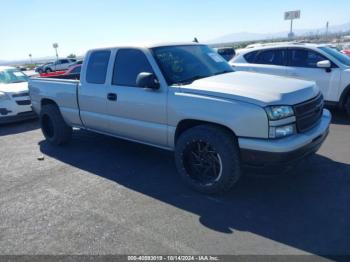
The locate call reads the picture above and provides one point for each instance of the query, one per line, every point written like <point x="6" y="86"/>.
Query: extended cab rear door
<point x="136" y="113"/>
<point x="92" y="90"/>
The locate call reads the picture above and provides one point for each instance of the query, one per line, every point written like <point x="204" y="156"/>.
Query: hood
<point x="14" y="88"/>
<point x="254" y="88"/>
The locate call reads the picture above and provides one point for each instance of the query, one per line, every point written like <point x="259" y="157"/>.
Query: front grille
<point x="21" y="94"/>
<point x="23" y="102"/>
<point x="308" y="113"/>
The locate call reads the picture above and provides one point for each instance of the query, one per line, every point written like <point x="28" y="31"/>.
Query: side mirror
<point x="324" y="64"/>
<point x="147" y="80"/>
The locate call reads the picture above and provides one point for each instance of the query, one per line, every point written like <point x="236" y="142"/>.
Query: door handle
<point x="112" y="96"/>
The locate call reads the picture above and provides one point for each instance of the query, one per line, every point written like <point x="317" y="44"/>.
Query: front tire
<point x="53" y="126"/>
<point x="207" y="158"/>
<point x="48" y="70"/>
<point x="347" y="105"/>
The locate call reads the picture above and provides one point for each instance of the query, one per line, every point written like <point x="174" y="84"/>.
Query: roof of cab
<point x="152" y="45"/>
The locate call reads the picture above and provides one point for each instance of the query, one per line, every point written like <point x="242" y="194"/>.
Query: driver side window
<point x="128" y="64"/>
<point x="305" y="58"/>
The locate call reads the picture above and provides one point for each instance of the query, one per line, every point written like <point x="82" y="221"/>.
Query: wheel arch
<point x="187" y="124"/>
<point x="344" y="95"/>
<point x="47" y="101"/>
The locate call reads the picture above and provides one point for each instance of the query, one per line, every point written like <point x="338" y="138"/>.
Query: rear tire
<point x="347" y="105"/>
<point x="207" y="158"/>
<point x="53" y="126"/>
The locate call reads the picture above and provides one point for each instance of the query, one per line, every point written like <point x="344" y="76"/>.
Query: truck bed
<point x="62" y="76"/>
<point x="61" y="91"/>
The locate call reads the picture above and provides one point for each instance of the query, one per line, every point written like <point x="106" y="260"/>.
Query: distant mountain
<point x="26" y="61"/>
<point x="246" y="36"/>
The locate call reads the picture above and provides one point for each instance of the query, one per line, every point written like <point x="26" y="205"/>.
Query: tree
<point x="72" y="56"/>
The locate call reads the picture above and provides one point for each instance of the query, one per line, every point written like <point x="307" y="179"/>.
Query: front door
<point x="136" y="113"/>
<point x="303" y="65"/>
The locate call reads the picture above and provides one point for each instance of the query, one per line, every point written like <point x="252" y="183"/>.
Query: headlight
<point x="281" y="131"/>
<point x="3" y="96"/>
<point x="279" y="112"/>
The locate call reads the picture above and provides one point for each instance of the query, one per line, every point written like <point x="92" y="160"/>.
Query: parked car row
<point x="73" y="72"/>
<point x="58" y="65"/>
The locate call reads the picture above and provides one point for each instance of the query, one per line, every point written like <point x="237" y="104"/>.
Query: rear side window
<point x="305" y="58"/>
<point x="270" y="57"/>
<point x="128" y="64"/>
<point x="250" y="57"/>
<point x="97" y="67"/>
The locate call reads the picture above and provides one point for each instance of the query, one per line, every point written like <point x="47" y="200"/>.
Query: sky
<point x="32" y="26"/>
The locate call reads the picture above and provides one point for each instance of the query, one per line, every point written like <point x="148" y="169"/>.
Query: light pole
<point x="55" y="46"/>
<point x="30" y="57"/>
<point x="291" y="34"/>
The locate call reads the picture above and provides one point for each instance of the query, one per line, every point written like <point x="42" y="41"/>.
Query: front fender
<point x="244" y="119"/>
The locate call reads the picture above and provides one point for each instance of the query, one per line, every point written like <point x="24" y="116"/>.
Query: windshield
<point x="184" y="64"/>
<point x="342" y="58"/>
<point x="10" y="76"/>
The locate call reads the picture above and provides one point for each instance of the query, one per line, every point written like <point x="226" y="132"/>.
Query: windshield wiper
<point x="196" y="77"/>
<point x="223" y="72"/>
<point x="190" y="80"/>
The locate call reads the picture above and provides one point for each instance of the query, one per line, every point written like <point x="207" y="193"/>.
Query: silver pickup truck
<point x="186" y="98"/>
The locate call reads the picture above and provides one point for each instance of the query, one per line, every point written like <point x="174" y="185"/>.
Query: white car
<point x="329" y="68"/>
<point x="15" y="103"/>
<point x="59" y="65"/>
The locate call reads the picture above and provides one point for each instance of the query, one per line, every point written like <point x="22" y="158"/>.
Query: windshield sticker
<point x="217" y="58"/>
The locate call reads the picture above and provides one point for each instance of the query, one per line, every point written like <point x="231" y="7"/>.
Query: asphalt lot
<point x="101" y="195"/>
